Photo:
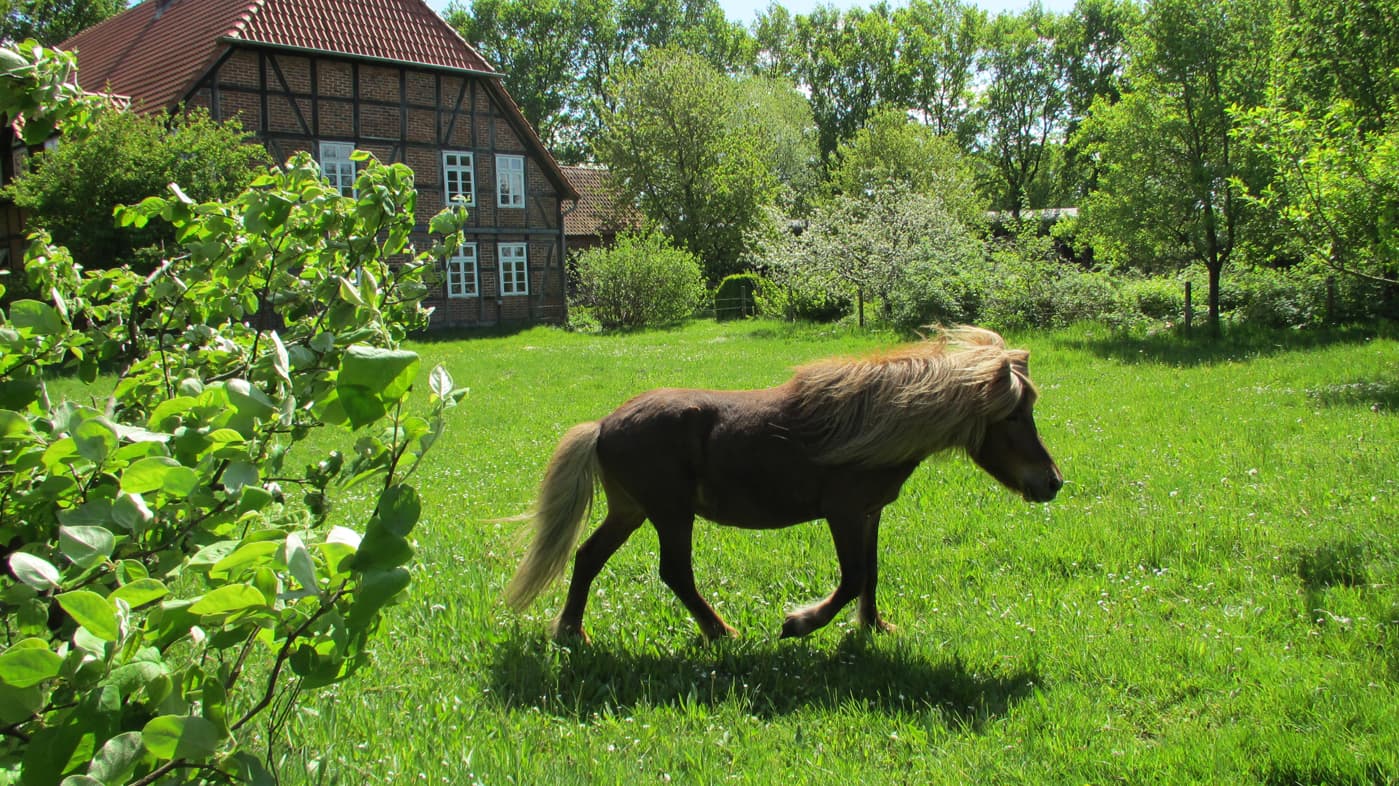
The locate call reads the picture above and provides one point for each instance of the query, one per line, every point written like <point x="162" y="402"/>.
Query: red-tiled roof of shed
<point x="155" y="51"/>
<point x="597" y="212"/>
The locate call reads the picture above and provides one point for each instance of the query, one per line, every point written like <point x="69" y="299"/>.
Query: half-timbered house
<point x="386" y="76"/>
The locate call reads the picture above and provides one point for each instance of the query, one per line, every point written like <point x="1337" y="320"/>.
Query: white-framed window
<point x="514" y="268"/>
<point x="459" y="176"/>
<point x="337" y="166"/>
<point x="461" y="273"/>
<point x="510" y="181"/>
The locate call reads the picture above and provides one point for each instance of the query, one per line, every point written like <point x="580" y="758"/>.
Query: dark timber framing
<point x="303" y="97"/>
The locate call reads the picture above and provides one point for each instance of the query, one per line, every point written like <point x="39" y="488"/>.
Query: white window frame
<point x="463" y="273"/>
<point x="337" y="166"/>
<point x="512" y="260"/>
<point x="510" y="181"/>
<point x="462" y="164"/>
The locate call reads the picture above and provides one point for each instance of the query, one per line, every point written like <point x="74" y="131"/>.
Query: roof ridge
<point x="240" y="23"/>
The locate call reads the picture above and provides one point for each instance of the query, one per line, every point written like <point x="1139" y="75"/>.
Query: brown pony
<point x="837" y="441"/>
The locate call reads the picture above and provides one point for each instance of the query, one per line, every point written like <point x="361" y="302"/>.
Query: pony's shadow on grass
<point x="766" y="679"/>
<point x="1236" y="344"/>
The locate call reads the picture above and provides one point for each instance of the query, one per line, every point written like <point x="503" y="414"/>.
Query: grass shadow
<point x="1381" y="395"/>
<point x="768" y="679"/>
<point x="1236" y="344"/>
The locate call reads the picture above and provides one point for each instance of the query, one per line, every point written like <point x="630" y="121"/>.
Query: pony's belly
<point x="737" y="509"/>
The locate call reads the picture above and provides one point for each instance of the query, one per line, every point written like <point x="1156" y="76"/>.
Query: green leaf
<point x="95" y="439"/>
<point x="86" y="545"/>
<point x="82" y="780"/>
<point x="243" y="558"/>
<point x="228" y="599"/>
<point x="371" y="379"/>
<point x="18" y="704"/>
<point x="28" y="663"/>
<point x="399" y="509"/>
<point x="181" y="737"/>
<point x="240" y="475"/>
<point x="39" y="317"/>
<point x="139" y="592"/>
<point x="92" y="611"/>
<point x="159" y="473"/>
<point x="117" y="758"/>
<point x="381" y="549"/>
<point x="377" y="588"/>
<point x="130" y="511"/>
<point x="298" y="561"/>
<point x="37" y="572"/>
<point x="440" y="380"/>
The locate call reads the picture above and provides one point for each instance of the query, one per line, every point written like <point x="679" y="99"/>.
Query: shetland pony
<point x="836" y="441"/>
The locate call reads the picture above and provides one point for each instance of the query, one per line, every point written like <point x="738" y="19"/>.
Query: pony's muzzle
<point x="1042" y="486"/>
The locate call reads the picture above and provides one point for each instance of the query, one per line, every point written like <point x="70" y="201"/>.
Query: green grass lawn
<point x="1213" y="598"/>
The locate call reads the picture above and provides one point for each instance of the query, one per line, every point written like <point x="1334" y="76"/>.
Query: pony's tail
<point x="564" y="499"/>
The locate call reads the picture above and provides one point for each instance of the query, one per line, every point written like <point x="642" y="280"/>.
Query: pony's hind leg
<point x="624" y="516"/>
<point x="677" y="570"/>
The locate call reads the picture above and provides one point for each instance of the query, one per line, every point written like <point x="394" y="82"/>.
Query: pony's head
<point x="1009" y="446"/>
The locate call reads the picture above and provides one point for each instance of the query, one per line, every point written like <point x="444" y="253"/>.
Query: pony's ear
<point x="1020" y="361"/>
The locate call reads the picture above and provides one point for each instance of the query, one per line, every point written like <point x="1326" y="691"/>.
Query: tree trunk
<point x="860" y="305"/>
<point x="1213" y="315"/>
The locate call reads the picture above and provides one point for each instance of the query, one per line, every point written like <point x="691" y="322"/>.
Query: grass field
<point x="1213" y="598"/>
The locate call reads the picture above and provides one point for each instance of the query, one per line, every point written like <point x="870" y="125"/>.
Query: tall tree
<point x="1092" y="46"/>
<point x="557" y="56"/>
<point x="686" y="151"/>
<point x="1024" y="106"/>
<point x="893" y="150"/>
<point x="51" y="22"/>
<point x="1169" y="163"/>
<point x="848" y="67"/>
<point x="938" y="42"/>
<point x="542" y="48"/>
<point x="1330" y="134"/>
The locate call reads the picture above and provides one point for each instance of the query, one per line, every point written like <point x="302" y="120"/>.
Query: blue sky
<point x="746" y="11"/>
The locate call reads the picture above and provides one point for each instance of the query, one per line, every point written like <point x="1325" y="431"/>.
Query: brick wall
<point x="407" y="114"/>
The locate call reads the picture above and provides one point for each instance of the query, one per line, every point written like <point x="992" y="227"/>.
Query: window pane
<point x="510" y="181"/>
<point x="459" y="176"/>
<point x="514" y="269"/>
<point x="461" y="273"/>
<point x="337" y="167"/>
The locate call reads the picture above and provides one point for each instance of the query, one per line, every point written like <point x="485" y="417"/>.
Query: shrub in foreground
<point x="168" y="574"/>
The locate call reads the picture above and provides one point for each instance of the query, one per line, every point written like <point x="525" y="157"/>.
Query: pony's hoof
<point x="796" y="626"/>
<point x="570" y="634"/>
<point x="879" y="626"/>
<point x="723" y="631"/>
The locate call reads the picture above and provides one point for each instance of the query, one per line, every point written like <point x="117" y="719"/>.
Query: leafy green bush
<point x="736" y="296"/>
<point x="1161" y="299"/>
<point x="643" y="281"/>
<point x="169" y="575"/>
<point x="72" y="190"/>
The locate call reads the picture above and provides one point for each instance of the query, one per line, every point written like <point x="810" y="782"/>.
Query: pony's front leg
<point x="867" y="614"/>
<point x="848" y="531"/>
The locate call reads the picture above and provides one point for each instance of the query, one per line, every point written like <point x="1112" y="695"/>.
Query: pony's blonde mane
<point x="903" y="405"/>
